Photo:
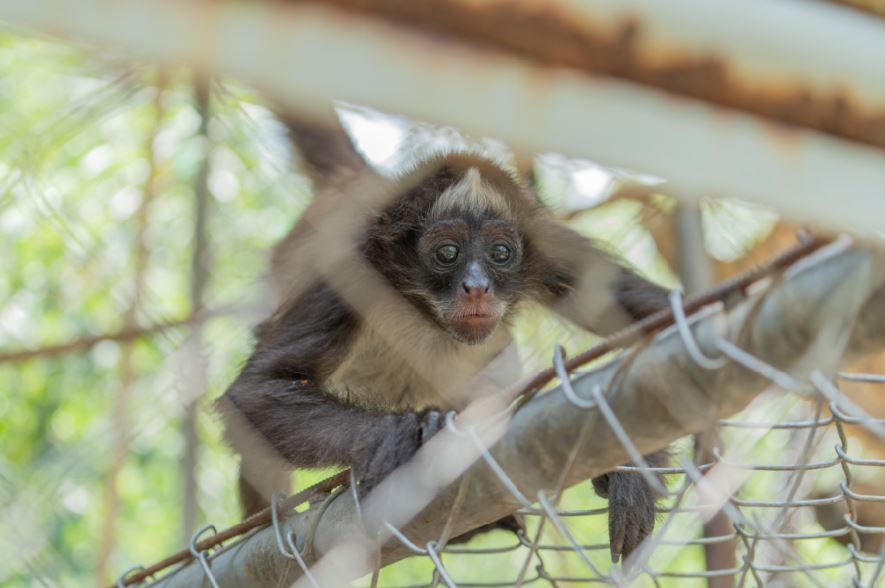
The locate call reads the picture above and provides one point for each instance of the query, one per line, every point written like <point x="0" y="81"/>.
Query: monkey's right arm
<point x="323" y="148"/>
<point x="590" y="288"/>
<point x="279" y="404"/>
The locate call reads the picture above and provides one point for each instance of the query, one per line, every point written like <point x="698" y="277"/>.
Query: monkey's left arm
<point x="590" y="288"/>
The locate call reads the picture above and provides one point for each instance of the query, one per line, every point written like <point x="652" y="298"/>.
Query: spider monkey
<point x="360" y="361"/>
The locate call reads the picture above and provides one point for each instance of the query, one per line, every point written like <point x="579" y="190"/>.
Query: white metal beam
<point x="784" y="44"/>
<point x="305" y="55"/>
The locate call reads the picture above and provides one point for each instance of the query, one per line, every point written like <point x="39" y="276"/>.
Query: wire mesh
<point x="771" y="510"/>
<point x="776" y="469"/>
<point x="795" y="475"/>
<point x="776" y="536"/>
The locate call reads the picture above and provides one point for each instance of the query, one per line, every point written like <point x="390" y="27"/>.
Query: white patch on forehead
<point x="471" y="194"/>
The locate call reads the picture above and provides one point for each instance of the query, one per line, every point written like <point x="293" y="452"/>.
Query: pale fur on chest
<point x="416" y="366"/>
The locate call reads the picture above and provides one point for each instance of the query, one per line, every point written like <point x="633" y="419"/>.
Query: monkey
<point x="366" y="352"/>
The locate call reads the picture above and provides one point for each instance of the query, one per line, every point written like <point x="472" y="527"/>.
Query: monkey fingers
<point x="631" y="510"/>
<point x="396" y="445"/>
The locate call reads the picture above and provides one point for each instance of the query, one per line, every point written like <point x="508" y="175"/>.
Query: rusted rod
<point x="630" y="41"/>
<point x="257" y="520"/>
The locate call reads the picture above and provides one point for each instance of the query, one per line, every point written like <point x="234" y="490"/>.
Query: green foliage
<point x="74" y="162"/>
<point x="75" y="165"/>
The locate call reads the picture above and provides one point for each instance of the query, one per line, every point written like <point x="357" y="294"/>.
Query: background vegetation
<point x="100" y="171"/>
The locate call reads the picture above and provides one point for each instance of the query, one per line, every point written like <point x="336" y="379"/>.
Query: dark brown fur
<point x="327" y="386"/>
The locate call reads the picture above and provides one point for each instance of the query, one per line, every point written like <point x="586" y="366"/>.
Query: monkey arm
<point x="308" y="427"/>
<point x="631" y="512"/>
<point x="640" y="297"/>
<point x="631" y="499"/>
<point x="279" y="414"/>
<point x="323" y="148"/>
<point x="276" y="424"/>
<point x="587" y="285"/>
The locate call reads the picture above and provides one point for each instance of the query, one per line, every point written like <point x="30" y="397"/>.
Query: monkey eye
<point x="447" y="254"/>
<point x="500" y="253"/>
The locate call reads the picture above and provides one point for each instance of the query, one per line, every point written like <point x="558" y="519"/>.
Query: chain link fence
<point x="784" y="472"/>
<point x="769" y="391"/>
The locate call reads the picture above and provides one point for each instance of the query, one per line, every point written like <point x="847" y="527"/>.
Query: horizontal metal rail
<point x="304" y="55"/>
<point x="773" y="59"/>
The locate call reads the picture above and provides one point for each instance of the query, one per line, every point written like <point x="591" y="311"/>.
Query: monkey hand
<point x="403" y="434"/>
<point x="631" y="510"/>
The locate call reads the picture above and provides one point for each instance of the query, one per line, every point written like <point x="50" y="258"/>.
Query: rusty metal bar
<point x="304" y="55"/>
<point x="775" y="60"/>
<point x="800" y="325"/>
<point x="874" y="7"/>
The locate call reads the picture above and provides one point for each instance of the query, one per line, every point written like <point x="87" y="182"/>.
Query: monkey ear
<point x="323" y="147"/>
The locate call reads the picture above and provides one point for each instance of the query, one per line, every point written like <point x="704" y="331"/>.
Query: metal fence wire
<point x="787" y="492"/>
<point x="783" y="486"/>
<point x="770" y="507"/>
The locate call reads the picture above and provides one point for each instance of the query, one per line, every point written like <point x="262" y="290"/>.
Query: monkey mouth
<point x="477" y="319"/>
<point x="474" y="325"/>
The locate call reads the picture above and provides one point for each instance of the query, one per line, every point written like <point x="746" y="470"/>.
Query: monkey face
<point x="472" y="268"/>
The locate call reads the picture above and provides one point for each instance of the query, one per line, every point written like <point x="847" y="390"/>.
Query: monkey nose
<point x="476" y="283"/>
<point x="475" y="290"/>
